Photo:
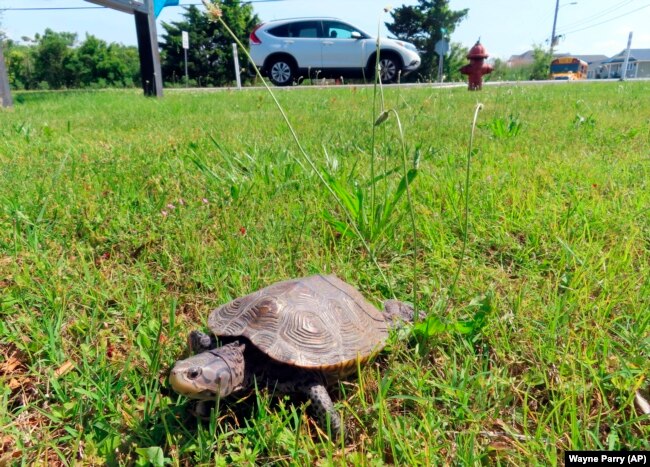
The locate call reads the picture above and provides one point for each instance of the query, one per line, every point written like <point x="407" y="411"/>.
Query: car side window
<point x="337" y="30"/>
<point x="280" y="31"/>
<point x="305" y="29"/>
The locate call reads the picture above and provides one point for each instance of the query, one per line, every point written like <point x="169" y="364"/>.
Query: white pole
<point x="187" y="76"/>
<point x="627" y="57"/>
<point x="185" y="39"/>
<point x="236" y="57"/>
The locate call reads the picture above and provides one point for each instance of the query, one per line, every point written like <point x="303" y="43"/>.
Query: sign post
<point x="185" y="37"/>
<point x="441" y="48"/>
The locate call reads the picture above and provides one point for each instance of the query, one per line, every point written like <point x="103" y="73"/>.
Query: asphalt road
<point x="331" y="85"/>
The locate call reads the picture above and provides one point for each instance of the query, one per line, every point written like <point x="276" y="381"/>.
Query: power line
<point x="607" y="21"/>
<point x="595" y="16"/>
<point x="104" y="7"/>
<point x="53" y="8"/>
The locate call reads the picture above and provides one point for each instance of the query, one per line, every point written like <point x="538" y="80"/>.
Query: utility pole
<point x="553" y="36"/>
<point x="557" y="7"/>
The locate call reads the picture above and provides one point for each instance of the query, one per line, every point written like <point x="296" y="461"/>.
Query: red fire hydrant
<point x="477" y="66"/>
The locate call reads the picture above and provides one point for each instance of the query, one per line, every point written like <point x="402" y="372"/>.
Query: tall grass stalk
<point x="411" y="210"/>
<point x="470" y="153"/>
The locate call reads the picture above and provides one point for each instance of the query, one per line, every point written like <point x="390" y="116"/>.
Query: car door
<point x="340" y="47"/>
<point x="302" y="40"/>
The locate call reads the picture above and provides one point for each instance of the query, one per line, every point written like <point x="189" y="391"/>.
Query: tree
<point x="210" y="57"/>
<point x="456" y="58"/>
<point x="101" y="64"/>
<point x="53" y="58"/>
<point x="20" y="66"/>
<point x="425" y="24"/>
<point x="50" y="61"/>
<point x="541" y="63"/>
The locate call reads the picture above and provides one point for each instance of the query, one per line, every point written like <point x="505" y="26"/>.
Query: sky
<point x="505" y="27"/>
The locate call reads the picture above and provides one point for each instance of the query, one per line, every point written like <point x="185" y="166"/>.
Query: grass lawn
<point x="124" y="220"/>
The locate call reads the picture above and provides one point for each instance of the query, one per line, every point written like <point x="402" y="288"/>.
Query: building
<point x="527" y="58"/>
<point x="638" y="66"/>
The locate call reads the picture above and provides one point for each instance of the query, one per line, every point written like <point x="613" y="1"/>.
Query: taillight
<point x="253" y="37"/>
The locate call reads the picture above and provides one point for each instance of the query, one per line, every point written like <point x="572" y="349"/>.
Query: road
<point x="330" y="85"/>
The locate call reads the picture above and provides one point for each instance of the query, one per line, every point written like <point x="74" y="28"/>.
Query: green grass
<point x="124" y="220"/>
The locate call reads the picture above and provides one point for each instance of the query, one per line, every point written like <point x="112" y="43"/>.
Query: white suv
<point x="285" y="50"/>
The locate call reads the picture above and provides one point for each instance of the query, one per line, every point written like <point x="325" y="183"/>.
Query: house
<point x="519" y="60"/>
<point x="638" y="65"/>
<point x="527" y="58"/>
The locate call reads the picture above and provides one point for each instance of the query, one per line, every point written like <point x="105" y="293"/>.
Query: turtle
<point x="296" y="336"/>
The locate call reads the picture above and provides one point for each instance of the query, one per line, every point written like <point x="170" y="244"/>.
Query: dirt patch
<point x="13" y="370"/>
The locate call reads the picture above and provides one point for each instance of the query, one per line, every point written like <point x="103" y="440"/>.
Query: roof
<point x="591" y="58"/>
<point x="529" y="56"/>
<point x="638" y="55"/>
<point x="304" y="18"/>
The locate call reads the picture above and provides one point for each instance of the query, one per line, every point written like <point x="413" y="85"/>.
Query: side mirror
<point x="356" y="35"/>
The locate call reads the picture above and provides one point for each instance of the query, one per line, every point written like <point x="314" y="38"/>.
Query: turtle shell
<point x="317" y="322"/>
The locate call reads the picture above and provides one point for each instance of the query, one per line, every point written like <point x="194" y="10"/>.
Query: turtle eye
<point x="194" y="372"/>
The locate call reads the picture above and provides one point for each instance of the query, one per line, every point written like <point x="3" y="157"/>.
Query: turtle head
<point x="210" y="374"/>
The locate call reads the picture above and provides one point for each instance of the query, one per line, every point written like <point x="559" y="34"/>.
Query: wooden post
<point x="150" y="68"/>
<point x="5" y="92"/>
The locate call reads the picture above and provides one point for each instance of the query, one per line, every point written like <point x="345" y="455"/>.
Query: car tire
<point x="389" y="68"/>
<point x="282" y="72"/>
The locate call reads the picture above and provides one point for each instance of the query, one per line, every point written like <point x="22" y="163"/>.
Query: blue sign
<point x="158" y="5"/>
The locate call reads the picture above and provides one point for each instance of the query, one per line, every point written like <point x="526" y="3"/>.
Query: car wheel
<point x="281" y="72"/>
<point x="388" y="69"/>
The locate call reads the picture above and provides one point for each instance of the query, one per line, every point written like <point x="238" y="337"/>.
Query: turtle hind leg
<point x="199" y="341"/>
<point x="323" y="409"/>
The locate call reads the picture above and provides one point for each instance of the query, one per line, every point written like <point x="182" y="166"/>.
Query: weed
<point x="502" y="128"/>
<point x="588" y="122"/>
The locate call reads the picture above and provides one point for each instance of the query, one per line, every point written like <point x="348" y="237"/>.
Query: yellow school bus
<point x="568" y="68"/>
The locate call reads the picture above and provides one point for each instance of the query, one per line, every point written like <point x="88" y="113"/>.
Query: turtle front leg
<point x="323" y="408"/>
<point x="200" y="342"/>
<point x="398" y="314"/>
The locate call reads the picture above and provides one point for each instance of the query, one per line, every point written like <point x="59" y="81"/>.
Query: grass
<point x="124" y="220"/>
